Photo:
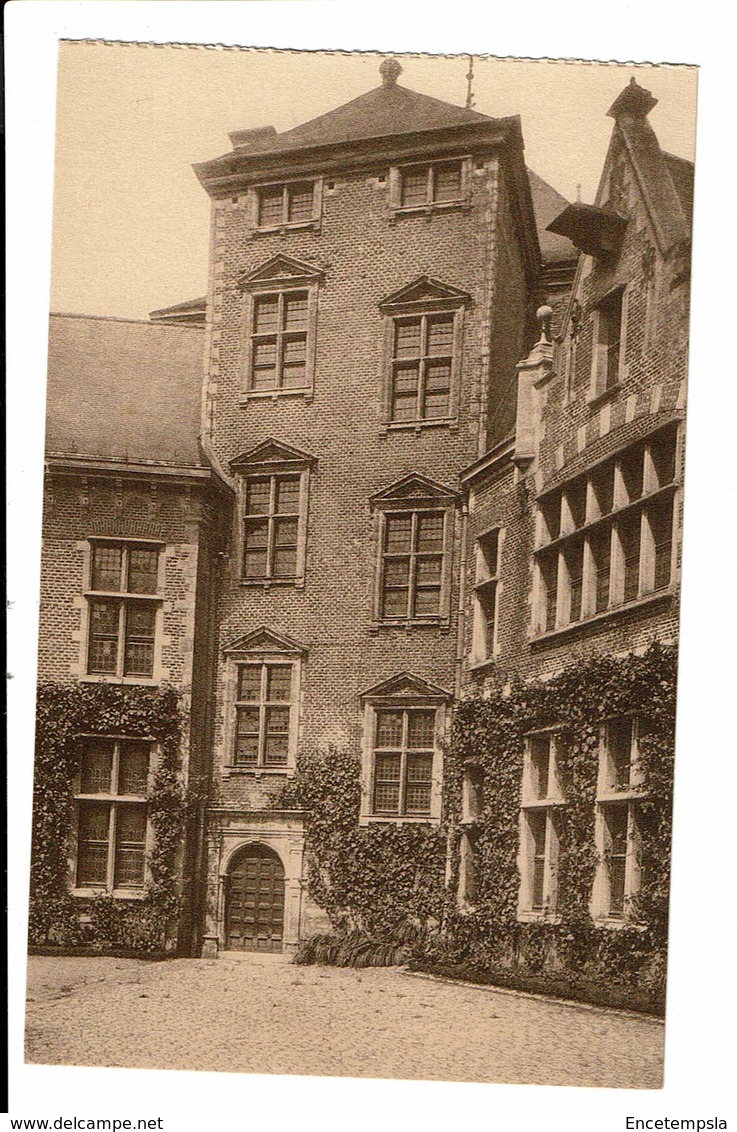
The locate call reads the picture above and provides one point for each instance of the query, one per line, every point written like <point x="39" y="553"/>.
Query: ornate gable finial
<point x="634" y="101"/>
<point x="390" y="70"/>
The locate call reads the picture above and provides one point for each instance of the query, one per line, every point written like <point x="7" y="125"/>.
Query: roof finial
<point x="390" y="70"/>
<point x="469" y="91"/>
<point x="578" y="193"/>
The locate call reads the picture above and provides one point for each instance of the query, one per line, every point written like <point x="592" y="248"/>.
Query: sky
<point x="131" y="221"/>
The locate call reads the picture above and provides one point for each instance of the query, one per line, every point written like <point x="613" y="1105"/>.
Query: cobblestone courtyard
<point x="265" y="1016"/>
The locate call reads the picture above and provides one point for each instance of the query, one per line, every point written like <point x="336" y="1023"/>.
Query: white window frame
<point x="487" y="581"/>
<point x="115" y="801"/>
<point x="125" y="599"/>
<point x="557" y="546"/>
<point x="537" y="805"/>
<point x="625" y="797"/>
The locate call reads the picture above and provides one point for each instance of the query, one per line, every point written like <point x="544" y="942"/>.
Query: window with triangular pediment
<point x="423" y="338"/>
<point x="280" y="321"/>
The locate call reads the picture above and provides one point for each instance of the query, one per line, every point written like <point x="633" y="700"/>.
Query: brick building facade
<point x="351" y="535"/>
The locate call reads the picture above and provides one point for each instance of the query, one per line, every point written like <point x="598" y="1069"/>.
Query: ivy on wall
<point x="63" y="712"/>
<point x="489" y="733"/>
<point x="385" y="881"/>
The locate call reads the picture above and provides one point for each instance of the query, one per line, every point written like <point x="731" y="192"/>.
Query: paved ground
<point x="271" y="1017"/>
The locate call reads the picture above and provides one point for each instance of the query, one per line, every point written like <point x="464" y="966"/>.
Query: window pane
<point x="294" y="371"/>
<point x="540" y="765"/>
<point x="248" y="720"/>
<point x="287" y="496"/>
<point x="574" y="564"/>
<point x="103" y="648"/>
<point x="550" y="507"/>
<point x="430" y="531"/>
<point x="254" y="563"/>
<point x="271" y="206"/>
<point x="389" y="729"/>
<point x="257" y="534"/>
<point x="549" y="579"/>
<point x="140" y="627"/>
<point x="277" y="720"/>
<point x="419" y="784"/>
<point x="486" y="596"/>
<point x="395" y="603"/>
<point x="143" y="570"/>
<point x="295" y="311"/>
<point x="246" y="750"/>
<point x="440" y="335"/>
<point x="249" y="688"/>
<point x="131" y="824"/>
<point x="133" y="772"/>
<point x="437" y="391"/>
<point x="266" y="314"/>
<point x="107" y="562"/>
<point x="276" y="750"/>
<point x="488" y="559"/>
<point x="264" y="353"/>
<point x="257" y="496"/>
<point x="447" y="182"/>
<point x="536" y="823"/>
<point x="285" y="562"/>
<point x="97" y="766"/>
<point x="279" y="682"/>
<point x="92" y="845"/>
<point x="398" y="534"/>
<point x="285" y="532"/>
<point x="600" y="543"/>
<point x="421" y="729"/>
<point x="130" y="845"/>
<point x="396" y="572"/>
<point x="617" y="817"/>
<point x="405" y="393"/>
<point x="414" y="187"/>
<point x="660" y="517"/>
<point x="299" y="202"/>
<point x="619" y="742"/>
<point x="407" y="339"/>
<point x="629" y="537"/>
<point x="427" y="601"/>
<point x="386" y="784"/>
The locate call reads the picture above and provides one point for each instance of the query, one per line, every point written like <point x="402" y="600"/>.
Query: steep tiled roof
<point x="548" y="203"/>
<point x="120" y="389"/>
<point x="382" y="112"/>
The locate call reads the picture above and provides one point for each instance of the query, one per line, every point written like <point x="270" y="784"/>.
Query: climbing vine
<point x="63" y="713"/>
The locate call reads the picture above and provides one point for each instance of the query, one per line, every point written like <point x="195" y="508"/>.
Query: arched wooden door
<point x="254" y="903"/>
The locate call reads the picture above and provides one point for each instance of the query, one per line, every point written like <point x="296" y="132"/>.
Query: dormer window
<point x="287" y="205"/>
<point x="608" y="353"/>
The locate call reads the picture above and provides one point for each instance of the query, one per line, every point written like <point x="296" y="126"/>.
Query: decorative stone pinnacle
<point x="634" y="101"/>
<point x="545" y="317"/>
<point x="390" y="70"/>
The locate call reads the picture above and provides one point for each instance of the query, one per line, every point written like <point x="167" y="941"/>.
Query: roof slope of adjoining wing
<point x="124" y="390"/>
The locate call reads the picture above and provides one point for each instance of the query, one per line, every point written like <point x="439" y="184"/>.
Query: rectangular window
<point x="615" y="542"/>
<point x="271" y="524"/>
<point x="412" y="565"/>
<point x="618" y="834"/>
<point x="122" y="624"/>
<point x="486" y="593"/>
<point x="264" y="715"/>
<point x="280" y="205"/>
<point x="542" y="799"/>
<point x="607" y="343"/>
<point x="404" y="748"/>
<point x="279" y="333"/>
<point x="111" y="814"/>
<point x="422" y="186"/>
<point x="422" y="364"/>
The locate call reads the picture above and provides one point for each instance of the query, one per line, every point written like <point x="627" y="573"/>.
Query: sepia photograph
<point x="361" y="557"/>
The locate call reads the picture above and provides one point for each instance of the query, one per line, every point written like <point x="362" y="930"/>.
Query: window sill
<point x="117" y="893"/>
<point x="405" y="819"/>
<point x="417" y="426"/>
<point x="597" y="399"/>
<point x="607" y="614"/>
<point x="282" y="229"/>
<point x="233" y="770"/>
<point x="123" y="594"/>
<point x="478" y="667"/>
<point x="304" y="391"/>
<point x="434" y="623"/>
<point x="617" y="923"/>
<point x="528" y="916"/>
<point x="108" y="678"/>
<point x="267" y="583"/>
<point x="462" y="204"/>
<point x="626" y="794"/>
